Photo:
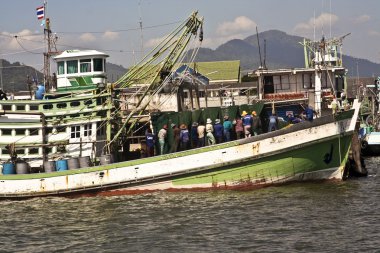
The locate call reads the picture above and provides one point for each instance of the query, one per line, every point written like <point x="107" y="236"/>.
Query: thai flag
<point x="40" y="12"/>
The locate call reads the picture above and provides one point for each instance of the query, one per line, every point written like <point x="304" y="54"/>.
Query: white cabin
<point x="78" y="69"/>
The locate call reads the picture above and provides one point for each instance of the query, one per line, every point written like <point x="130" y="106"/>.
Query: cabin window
<point x="100" y="128"/>
<point x="88" y="102"/>
<point x="85" y="65"/>
<point x="75" y="104"/>
<point x="20" y="131"/>
<point x="7" y="107"/>
<point x="277" y="82"/>
<point x="61" y="105"/>
<point x="99" y="101"/>
<point x="47" y="107"/>
<point x="75" y="131"/>
<point x="268" y="85"/>
<point x="6" y="132"/>
<point x="325" y="79"/>
<point x="98" y="64"/>
<point x="33" y="108"/>
<point x="20" y="108"/>
<point x="285" y="82"/>
<point x="339" y="83"/>
<point x="61" y="68"/>
<point x="72" y="67"/>
<point x="33" y="131"/>
<point x="33" y="151"/>
<point x="306" y="80"/>
<point x="20" y="151"/>
<point x="88" y="130"/>
<point x="61" y="129"/>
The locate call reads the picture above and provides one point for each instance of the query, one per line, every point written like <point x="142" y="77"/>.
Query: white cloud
<point x="319" y="22"/>
<point x="374" y="33"/>
<point x="109" y="35"/>
<point x="26" y="38"/>
<point x="241" y="24"/>
<point x="362" y="19"/>
<point x="87" y="37"/>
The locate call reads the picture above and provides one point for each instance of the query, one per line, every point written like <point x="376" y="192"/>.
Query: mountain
<point x="282" y="51"/>
<point x="114" y="72"/>
<point x="14" y="76"/>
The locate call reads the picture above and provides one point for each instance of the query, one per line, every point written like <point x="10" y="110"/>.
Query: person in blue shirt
<point x="218" y="131"/>
<point x="273" y="122"/>
<point x="194" y="135"/>
<point x="150" y="141"/>
<point x="184" y="137"/>
<point x="309" y="113"/>
<point x="247" y="124"/>
<point x="293" y="119"/>
<point x="227" y="127"/>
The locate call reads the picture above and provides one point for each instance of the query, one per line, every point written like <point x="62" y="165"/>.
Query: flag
<point x="41" y="12"/>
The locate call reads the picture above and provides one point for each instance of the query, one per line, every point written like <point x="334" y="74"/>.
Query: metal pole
<point x="1" y="74"/>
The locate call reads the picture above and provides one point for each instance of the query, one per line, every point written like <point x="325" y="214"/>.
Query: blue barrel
<point x="40" y="92"/>
<point x="61" y="165"/>
<point x="9" y="168"/>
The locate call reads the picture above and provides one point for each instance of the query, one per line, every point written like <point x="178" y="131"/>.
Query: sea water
<point x="301" y="217"/>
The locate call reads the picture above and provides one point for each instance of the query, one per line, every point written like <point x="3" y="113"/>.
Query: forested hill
<point x="282" y="51"/>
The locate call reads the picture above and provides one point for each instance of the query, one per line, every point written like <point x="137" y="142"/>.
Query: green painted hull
<point x="289" y="165"/>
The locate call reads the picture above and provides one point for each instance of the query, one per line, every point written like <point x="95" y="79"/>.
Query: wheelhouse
<point x="78" y="70"/>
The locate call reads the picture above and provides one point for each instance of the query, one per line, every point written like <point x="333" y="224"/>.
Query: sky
<point x="112" y="26"/>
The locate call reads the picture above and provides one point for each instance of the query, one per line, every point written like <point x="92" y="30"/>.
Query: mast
<point x="51" y="45"/>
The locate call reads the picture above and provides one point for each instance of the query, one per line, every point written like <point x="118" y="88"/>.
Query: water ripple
<point x="301" y="217"/>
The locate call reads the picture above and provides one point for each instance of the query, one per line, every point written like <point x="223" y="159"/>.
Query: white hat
<point x="209" y="121"/>
<point x="217" y="121"/>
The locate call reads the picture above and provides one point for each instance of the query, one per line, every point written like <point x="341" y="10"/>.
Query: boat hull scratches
<point x="148" y="187"/>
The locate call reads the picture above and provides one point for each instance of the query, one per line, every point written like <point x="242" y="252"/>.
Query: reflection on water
<point x="311" y="217"/>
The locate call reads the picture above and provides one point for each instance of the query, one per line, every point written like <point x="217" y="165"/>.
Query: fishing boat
<point x="369" y="132"/>
<point x="305" y="151"/>
<point x="66" y="138"/>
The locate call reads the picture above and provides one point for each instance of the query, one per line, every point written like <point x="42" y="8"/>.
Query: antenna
<point x="265" y="53"/>
<point x="314" y="27"/>
<point x="141" y="31"/>
<point x="258" y="43"/>
<point x="323" y="22"/>
<point x="330" y="20"/>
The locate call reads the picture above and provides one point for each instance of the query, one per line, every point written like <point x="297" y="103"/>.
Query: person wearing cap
<point x="194" y="135"/>
<point x="201" y="134"/>
<point x="227" y="126"/>
<point x="247" y="123"/>
<point x="176" y="137"/>
<point x="256" y="123"/>
<point x="162" y="138"/>
<point x="218" y="131"/>
<point x="209" y="135"/>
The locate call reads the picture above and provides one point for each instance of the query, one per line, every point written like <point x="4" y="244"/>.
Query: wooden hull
<point x="301" y="152"/>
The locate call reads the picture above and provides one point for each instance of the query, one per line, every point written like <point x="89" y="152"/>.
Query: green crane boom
<point x="155" y="66"/>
